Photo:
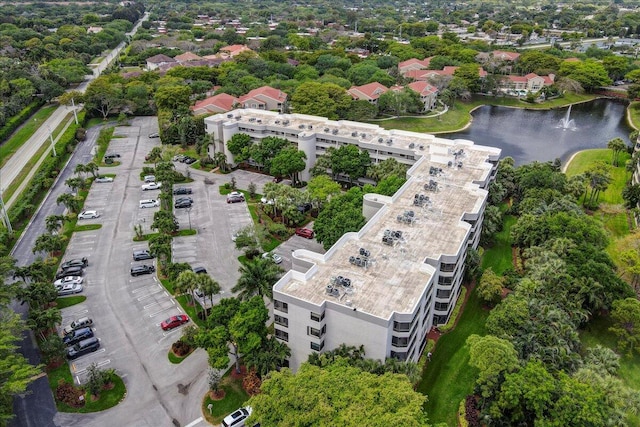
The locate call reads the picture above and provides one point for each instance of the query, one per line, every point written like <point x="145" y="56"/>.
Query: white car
<point x="151" y="186"/>
<point x="104" y="179"/>
<point x="69" y="280"/>
<point x="88" y="214"/>
<point x="237" y="418"/>
<point x="150" y="203"/>
<point x="275" y="257"/>
<point x="68" y="289"/>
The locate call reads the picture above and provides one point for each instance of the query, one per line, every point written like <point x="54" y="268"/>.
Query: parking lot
<point x="127" y="311"/>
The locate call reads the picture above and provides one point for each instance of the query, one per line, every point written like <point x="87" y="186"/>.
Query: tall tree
<point x="348" y="396"/>
<point x="617" y="145"/>
<point x="626" y="324"/>
<point x="257" y="277"/>
<point x="289" y="162"/>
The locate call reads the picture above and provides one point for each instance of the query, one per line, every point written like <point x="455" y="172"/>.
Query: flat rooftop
<point x="396" y="275"/>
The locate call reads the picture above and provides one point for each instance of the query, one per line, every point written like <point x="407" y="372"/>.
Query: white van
<point x="150" y="203"/>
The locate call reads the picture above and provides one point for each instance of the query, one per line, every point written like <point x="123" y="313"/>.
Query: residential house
<point x="413" y="64"/>
<point x="264" y="98"/>
<point x="449" y="70"/>
<point x="369" y="92"/>
<point x="428" y="94"/>
<point x="187" y="57"/>
<point x="233" y="50"/>
<point x="529" y="83"/>
<point x="220" y="103"/>
<point x="156" y="61"/>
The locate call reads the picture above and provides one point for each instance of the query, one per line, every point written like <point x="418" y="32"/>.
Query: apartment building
<point x="388" y="284"/>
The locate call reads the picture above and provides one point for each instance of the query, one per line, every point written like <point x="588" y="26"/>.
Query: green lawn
<point x="448" y="378"/>
<point x="8" y="148"/>
<point x="619" y="175"/>
<point x="498" y="257"/>
<point x="65" y="302"/>
<point x="234" y="398"/>
<point x="87" y="227"/>
<point x="634" y="114"/>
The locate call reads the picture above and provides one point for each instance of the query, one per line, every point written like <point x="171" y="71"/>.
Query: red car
<point x="174" y="322"/>
<point x="304" y="232"/>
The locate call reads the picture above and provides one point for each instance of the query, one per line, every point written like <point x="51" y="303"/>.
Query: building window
<point x="442" y="306"/>
<point x="317" y="317"/>
<point x="316" y="332"/>
<point x="280" y="306"/>
<point x="316" y="346"/>
<point x="446" y="281"/>
<point x="282" y="321"/>
<point x="400" y="341"/>
<point x="443" y="293"/>
<point x="399" y="355"/>
<point x="282" y="335"/>
<point x="401" y="326"/>
<point x="447" y="267"/>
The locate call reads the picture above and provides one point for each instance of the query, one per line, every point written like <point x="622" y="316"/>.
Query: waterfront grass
<point x="634" y="114"/>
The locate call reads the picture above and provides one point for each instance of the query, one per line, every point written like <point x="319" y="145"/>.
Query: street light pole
<point x="53" y="144"/>
<point x="5" y="216"/>
<point x="75" y="114"/>
<point x="189" y="216"/>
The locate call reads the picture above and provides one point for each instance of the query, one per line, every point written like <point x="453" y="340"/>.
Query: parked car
<point x="304" y="232"/>
<point x="68" y="289"/>
<point x="75" y="270"/>
<point x="154" y="135"/>
<point x="112" y="156"/>
<point x="149" y="178"/>
<point x="199" y="270"/>
<point x="275" y="257"/>
<point x="75" y="280"/>
<point x="190" y="160"/>
<point x="88" y="215"/>
<point x="83" y="347"/>
<point x="149" y="203"/>
<point x="82" y="262"/>
<point x="141" y="255"/>
<point x="237" y="418"/>
<point x="174" y="322"/>
<point x="137" y="270"/>
<point x="184" y="199"/>
<point x="104" y="179"/>
<point x="77" y="336"/>
<point x="180" y="204"/>
<point x="178" y="158"/>
<point x="151" y="186"/>
<point x="182" y="190"/>
<point x="235" y="197"/>
<point x="82" y="322"/>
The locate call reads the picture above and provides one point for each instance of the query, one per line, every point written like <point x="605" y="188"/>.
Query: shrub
<point x="180" y="348"/>
<point x="278" y="229"/>
<point x="251" y="383"/>
<point x="69" y="395"/>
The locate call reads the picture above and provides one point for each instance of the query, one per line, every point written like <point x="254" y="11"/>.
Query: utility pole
<point x="53" y="144"/>
<point x="5" y="216"/>
<point x="75" y="114"/>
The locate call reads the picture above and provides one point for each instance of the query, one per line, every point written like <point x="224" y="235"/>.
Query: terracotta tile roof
<point x="369" y="91"/>
<point x="222" y="101"/>
<point x="505" y="56"/>
<point x="234" y="49"/>
<point x="423" y="63"/>
<point x="264" y="91"/>
<point x="423" y="88"/>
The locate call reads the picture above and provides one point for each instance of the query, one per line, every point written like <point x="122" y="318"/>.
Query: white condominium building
<point x="386" y="285"/>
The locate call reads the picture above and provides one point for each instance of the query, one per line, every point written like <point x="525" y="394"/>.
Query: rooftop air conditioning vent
<point x="229" y="116"/>
<point x="285" y="122"/>
<point x="380" y="139"/>
<point x="300" y="126"/>
<point x="252" y="119"/>
<point x="354" y="133"/>
<point x="277" y="122"/>
<point x="335" y="292"/>
<point x="364" y="252"/>
<point x="326" y="129"/>
<point x="412" y="145"/>
<point x="389" y="141"/>
<point x="421" y="147"/>
<point x="310" y="127"/>
<point x="238" y="117"/>
<point x="335" y="131"/>
<point x="363" y="135"/>
<point x="259" y="120"/>
<point x="329" y="289"/>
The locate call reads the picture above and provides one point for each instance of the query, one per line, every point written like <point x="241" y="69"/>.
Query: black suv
<point x="82" y="262"/>
<point x="83" y="347"/>
<point x="184" y="203"/>
<point x="141" y="255"/>
<point x="77" y="336"/>
<point x="182" y="190"/>
<point x="112" y="156"/>
<point x="71" y="271"/>
<point x="137" y="270"/>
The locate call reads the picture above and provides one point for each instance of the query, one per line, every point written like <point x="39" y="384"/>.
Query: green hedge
<point x="14" y="122"/>
<point x="20" y="213"/>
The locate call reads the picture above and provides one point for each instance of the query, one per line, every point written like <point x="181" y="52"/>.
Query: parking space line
<point x="163" y="310"/>
<point x="149" y="295"/>
<point x="135" y="291"/>
<point x="151" y="305"/>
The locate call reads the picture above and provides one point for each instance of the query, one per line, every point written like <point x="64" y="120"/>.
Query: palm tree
<point x="155" y="155"/>
<point x="53" y="223"/>
<point x="208" y="286"/>
<point x="69" y="201"/>
<point x="165" y="222"/>
<point x="186" y="283"/>
<point x="617" y="145"/>
<point x="160" y="246"/>
<point x="220" y="160"/>
<point x="256" y="278"/>
<point x="43" y="321"/>
<point x="49" y="243"/>
<point x="93" y="168"/>
<point x="80" y="169"/>
<point x="269" y="358"/>
<point x="76" y="183"/>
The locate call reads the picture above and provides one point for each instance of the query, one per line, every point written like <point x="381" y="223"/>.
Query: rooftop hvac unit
<point x="277" y="122"/>
<point x="329" y="289"/>
<point x="348" y="303"/>
<point x="229" y="116"/>
<point x="300" y="126"/>
<point x="310" y="127"/>
<point x="326" y="129"/>
<point x="285" y="122"/>
<point x="363" y="135"/>
<point x="389" y="141"/>
<point x="238" y="117"/>
<point x="421" y="147"/>
<point x="259" y="120"/>
<point x="354" y="133"/>
<point x="335" y="292"/>
<point x="380" y="139"/>
<point x="335" y="131"/>
<point x="412" y="145"/>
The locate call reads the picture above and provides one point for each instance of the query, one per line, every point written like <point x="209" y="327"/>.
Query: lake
<point x="529" y="135"/>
